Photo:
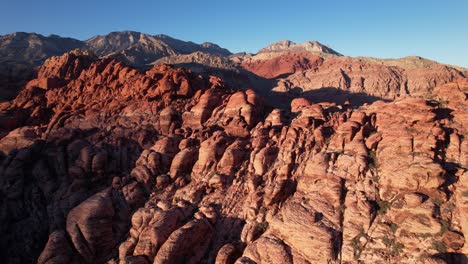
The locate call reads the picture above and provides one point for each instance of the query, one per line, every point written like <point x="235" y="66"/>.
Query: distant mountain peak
<point x="163" y="36"/>
<point x="209" y="45"/>
<point x="187" y="47"/>
<point x="308" y="46"/>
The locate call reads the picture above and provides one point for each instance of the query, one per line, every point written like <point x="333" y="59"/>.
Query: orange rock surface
<point x="110" y="164"/>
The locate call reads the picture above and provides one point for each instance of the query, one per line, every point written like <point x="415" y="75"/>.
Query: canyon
<point x="131" y="148"/>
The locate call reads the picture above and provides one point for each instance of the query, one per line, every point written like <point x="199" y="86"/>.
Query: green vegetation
<point x="373" y="163"/>
<point x="425" y="235"/>
<point x="383" y="206"/>
<point x="395" y="247"/>
<point x="411" y="130"/>
<point x="392" y="226"/>
<point x="387" y="241"/>
<point x="342" y="208"/>
<point x="437" y="201"/>
<point x="356" y="244"/>
<point x="375" y="178"/>
<point x="345" y="190"/>
<point x="356" y="248"/>
<point x="444" y="227"/>
<point x="263" y="226"/>
<point x="450" y="206"/>
<point x="439" y="246"/>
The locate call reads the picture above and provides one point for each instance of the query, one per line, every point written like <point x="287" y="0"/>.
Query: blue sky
<point x="387" y="29"/>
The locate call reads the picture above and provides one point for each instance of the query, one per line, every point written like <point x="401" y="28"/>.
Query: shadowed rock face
<point x="21" y="53"/>
<point x="302" y="73"/>
<point x="284" y="67"/>
<point x="104" y="163"/>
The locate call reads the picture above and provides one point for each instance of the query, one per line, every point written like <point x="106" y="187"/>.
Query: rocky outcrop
<point x="283" y="65"/>
<point x="140" y="49"/>
<point x="21" y="52"/>
<point x="199" y="61"/>
<point x="352" y="77"/>
<point x="96" y="225"/>
<point x="309" y="46"/>
<point x="119" y="165"/>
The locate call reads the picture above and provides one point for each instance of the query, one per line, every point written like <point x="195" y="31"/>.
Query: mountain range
<point x="21" y="52"/>
<point x="138" y="149"/>
<point x="289" y="64"/>
<point x="34" y="48"/>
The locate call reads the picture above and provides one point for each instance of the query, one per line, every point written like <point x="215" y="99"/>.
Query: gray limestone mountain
<point x="198" y="60"/>
<point x="309" y="46"/>
<point x="34" y="48"/>
<point x="306" y="67"/>
<point x="187" y="47"/>
<point x="140" y="49"/>
<point x="21" y="52"/>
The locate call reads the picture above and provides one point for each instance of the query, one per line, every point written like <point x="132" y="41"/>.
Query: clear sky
<point x="380" y="28"/>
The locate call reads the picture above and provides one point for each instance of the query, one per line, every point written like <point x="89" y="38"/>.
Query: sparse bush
<point x="444" y="227"/>
<point x="263" y="226"/>
<point x="356" y="244"/>
<point x="356" y="248"/>
<point x="342" y="208"/>
<point x="387" y="241"/>
<point x="425" y="235"/>
<point x="392" y="226"/>
<point x="450" y="206"/>
<point x="437" y="201"/>
<point x="375" y="177"/>
<point x="411" y="130"/>
<point x="383" y="206"/>
<point x="373" y="163"/>
<point x="395" y="247"/>
<point x="439" y="246"/>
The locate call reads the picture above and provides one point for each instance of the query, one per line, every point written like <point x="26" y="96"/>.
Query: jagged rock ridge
<point x="309" y="46"/>
<point x="21" y="52"/>
<point x="106" y="163"/>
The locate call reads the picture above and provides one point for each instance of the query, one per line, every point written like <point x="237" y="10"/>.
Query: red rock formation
<point x="388" y="79"/>
<point x="283" y="65"/>
<point x="122" y="166"/>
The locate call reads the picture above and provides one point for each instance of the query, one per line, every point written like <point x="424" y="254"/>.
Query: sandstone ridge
<point x="105" y="163"/>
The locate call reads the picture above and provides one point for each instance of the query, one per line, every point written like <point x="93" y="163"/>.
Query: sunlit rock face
<point x="104" y="163"/>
